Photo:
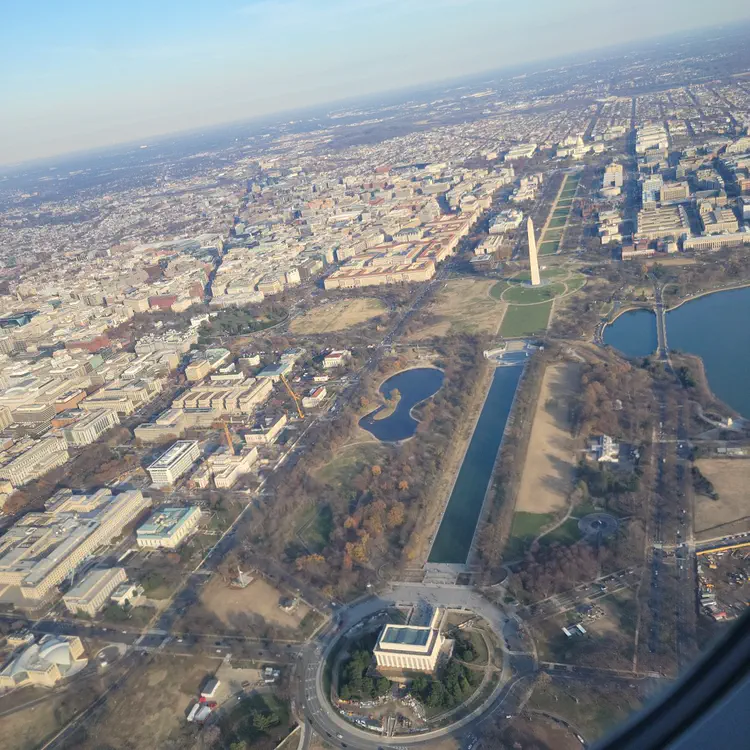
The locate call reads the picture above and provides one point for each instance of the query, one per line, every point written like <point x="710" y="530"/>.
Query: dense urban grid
<point x="315" y="429"/>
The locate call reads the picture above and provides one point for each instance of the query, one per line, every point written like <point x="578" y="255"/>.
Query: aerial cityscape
<point x="415" y="421"/>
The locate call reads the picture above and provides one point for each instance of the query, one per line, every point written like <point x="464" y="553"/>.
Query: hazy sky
<point x="80" y="74"/>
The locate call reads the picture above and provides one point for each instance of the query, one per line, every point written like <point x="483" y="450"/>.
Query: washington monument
<point x="533" y="260"/>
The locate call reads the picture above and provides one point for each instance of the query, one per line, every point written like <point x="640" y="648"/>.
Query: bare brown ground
<point x="463" y="306"/>
<point x="731" y="479"/>
<point x="550" y="459"/>
<point x="259" y="598"/>
<point x="337" y="316"/>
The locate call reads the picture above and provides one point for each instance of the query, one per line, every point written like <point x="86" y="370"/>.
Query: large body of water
<point x="453" y="540"/>
<point x="415" y="386"/>
<point x="713" y="327"/>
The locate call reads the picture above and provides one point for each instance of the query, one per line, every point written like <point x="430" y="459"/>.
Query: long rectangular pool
<point x="453" y="540"/>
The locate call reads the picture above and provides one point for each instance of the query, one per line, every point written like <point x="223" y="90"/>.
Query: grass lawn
<point x="531" y="295"/>
<point x="350" y="461"/>
<point x="553" y="234"/>
<point x="525" y="320"/>
<point x="497" y="291"/>
<point x="557" y="222"/>
<point x="565" y="534"/>
<point x="558" y="212"/>
<point x="576" y="283"/>
<point x="564" y="203"/>
<point x="545" y="273"/>
<point x="316" y="528"/>
<point x="549" y="247"/>
<point x="529" y="524"/>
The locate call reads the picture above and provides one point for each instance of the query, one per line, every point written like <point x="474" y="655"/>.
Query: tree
<point x="263" y="722"/>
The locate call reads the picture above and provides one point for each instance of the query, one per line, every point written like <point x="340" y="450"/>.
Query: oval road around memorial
<point x="317" y="713"/>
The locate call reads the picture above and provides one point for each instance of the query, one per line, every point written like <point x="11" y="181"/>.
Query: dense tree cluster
<point x="355" y="683"/>
<point x="238" y="321"/>
<point x="451" y="688"/>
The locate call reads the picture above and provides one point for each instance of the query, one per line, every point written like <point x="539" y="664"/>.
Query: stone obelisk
<point x="533" y="260"/>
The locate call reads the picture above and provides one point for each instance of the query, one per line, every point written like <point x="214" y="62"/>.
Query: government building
<point x="411" y="648"/>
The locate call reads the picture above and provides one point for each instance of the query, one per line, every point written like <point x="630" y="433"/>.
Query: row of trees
<point x="452" y="687"/>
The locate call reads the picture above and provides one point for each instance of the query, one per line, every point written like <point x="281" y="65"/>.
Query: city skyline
<point x="150" y="72"/>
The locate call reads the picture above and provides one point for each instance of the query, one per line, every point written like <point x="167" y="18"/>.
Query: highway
<point x="316" y="712"/>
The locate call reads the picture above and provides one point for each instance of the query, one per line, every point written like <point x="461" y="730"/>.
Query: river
<point x="454" y="536"/>
<point x="415" y="385"/>
<point x="713" y="327"/>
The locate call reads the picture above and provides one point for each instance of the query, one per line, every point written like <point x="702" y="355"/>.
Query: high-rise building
<point x="533" y="260"/>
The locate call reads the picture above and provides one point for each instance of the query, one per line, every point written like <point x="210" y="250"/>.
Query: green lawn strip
<point x="549" y="248"/>
<point x="557" y="222"/>
<point x="497" y="291"/>
<point x="529" y="525"/>
<point x="530" y="295"/>
<point x="317" y="529"/>
<point x="545" y="273"/>
<point x="565" y="534"/>
<point x="525" y="320"/>
<point x="575" y="285"/>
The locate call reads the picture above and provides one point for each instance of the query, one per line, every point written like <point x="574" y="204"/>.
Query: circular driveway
<point x="313" y="702"/>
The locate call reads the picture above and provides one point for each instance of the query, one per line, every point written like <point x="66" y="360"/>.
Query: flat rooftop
<point x="406" y="636"/>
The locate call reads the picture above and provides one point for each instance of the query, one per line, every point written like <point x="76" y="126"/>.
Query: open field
<point x="550" y="460"/>
<point x="337" y="316"/>
<point x="151" y="704"/>
<point x="730" y="478"/>
<point x="558" y="221"/>
<point x="462" y="306"/>
<point x="545" y="273"/>
<point x="231" y="606"/>
<point x="351" y="460"/>
<point x="592" y="706"/>
<point x="316" y="527"/>
<point x="549" y="248"/>
<point x="525" y="320"/>
<point x="529" y="295"/>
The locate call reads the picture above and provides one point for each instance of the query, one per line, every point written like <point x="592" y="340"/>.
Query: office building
<point x="28" y="459"/>
<point x="168" y="527"/>
<point x="91" y="426"/>
<point x="336" y="358"/>
<point x="42" y="549"/>
<point x="410" y="648"/>
<point x="675" y="192"/>
<point x="662" y="223"/>
<point x="93" y="592"/>
<point x="174" y="462"/>
<point x="613" y="176"/>
<point x="533" y="259"/>
<point x="719" y="221"/>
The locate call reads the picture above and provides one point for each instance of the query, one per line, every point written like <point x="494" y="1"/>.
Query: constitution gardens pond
<point x="414" y="386"/>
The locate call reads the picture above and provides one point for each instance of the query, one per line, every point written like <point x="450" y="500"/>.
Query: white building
<point x="90" y="427"/>
<point x="410" y="648"/>
<point x="167" y="527"/>
<point x="93" y="592"/>
<point x="172" y="464"/>
<point x="336" y="358"/>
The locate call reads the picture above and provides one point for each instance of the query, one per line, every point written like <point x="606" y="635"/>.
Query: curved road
<point x="317" y="713"/>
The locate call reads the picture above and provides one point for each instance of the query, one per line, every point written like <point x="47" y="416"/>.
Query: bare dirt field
<point x="337" y="316"/>
<point x="550" y="460"/>
<point x="462" y="306"/>
<point x="150" y="706"/>
<point x="231" y="605"/>
<point x="730" y="478"/>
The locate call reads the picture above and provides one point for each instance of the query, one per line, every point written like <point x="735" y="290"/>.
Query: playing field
<point x="525" y="320"/>
<point x="550" y="461"/>
<point x="730" y="478"/>
<point x="462" y="306"/>
<point x="337" y="316"/>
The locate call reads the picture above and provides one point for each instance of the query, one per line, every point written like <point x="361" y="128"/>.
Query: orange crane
<point x="294" y="396"/>
<point x="228" y="436"/>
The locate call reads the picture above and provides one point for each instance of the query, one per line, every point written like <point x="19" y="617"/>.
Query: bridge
<point x="661" y="325"/>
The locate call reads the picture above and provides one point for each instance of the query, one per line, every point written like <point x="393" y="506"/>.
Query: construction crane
<point x="228" y="436"/>
<point x="294" y="396"/>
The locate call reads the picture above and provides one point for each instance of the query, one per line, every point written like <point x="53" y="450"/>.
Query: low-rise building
<point x="168" y="527"/>
<point x="45" y="663"/>
<point x="315" y="397"/>
<point x="336" y="358"/>
<point x="267" y="431"/>
<point x="174" y="462"/>
<point x="93" y="592"/>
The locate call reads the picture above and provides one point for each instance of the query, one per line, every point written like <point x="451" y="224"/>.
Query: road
<point x="319" y="715"/>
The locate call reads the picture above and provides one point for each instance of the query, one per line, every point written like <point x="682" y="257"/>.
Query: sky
<point x="82" y="74"/>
